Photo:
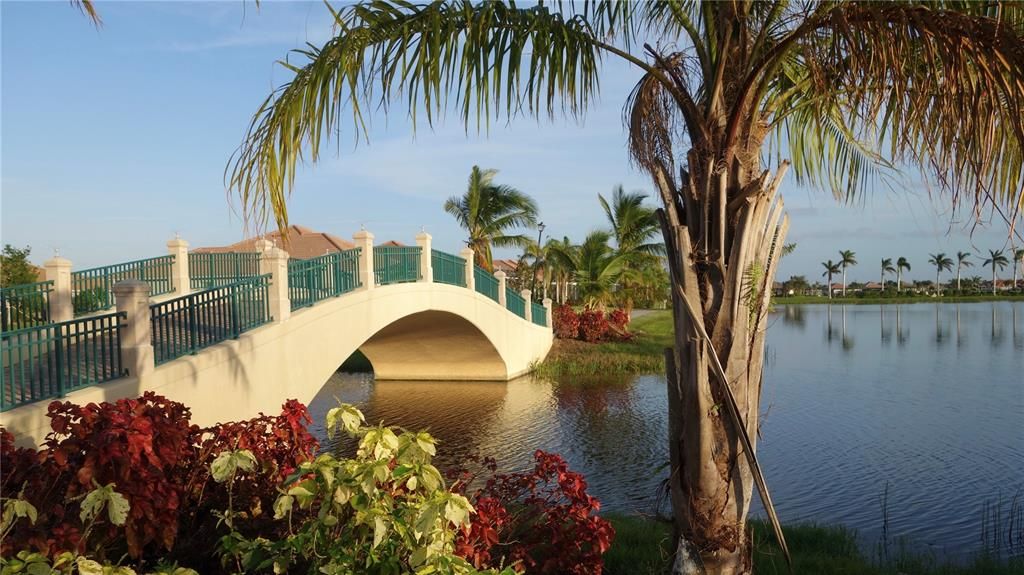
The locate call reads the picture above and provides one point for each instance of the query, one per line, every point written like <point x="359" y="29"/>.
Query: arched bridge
<point x="253" y="329"/>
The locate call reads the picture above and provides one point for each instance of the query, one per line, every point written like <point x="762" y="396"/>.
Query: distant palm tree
<point x="1018" y="257"/>
<point x="962" y="261"/>
<point x="488" y="212"/>
<point x="633" y="226"/>
<point x="996" y="259"/>
<point x="846" y="259"/>
<point x="901" y="264"/>
<point x="561" y="258"/>
<point x="597" y="269"/>
<point x="887" y="267"/>
<point x="941" y="263"/>
<point x="831" y="268"/>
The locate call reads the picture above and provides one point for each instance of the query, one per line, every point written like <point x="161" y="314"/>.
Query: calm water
<point x="927" y="399"/>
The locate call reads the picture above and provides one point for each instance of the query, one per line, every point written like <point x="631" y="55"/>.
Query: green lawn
<point x="643" y="546"/>
<point x="642" y="354"/>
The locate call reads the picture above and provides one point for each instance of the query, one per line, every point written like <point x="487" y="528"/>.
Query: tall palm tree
<point x="846" y="259"/>
<point x="561" y="257"/>
<point x="962" y="261"/>
<point x="633" y="226"/>
<point x="488" y="211"/>
<point x="1018" y="258"/>
<point x="831" y="268"/>
<point x="887" y="267"/>
<point x="901" y="264"/>
<point x="941" y="263"/>
<point x="996" y="259"/>
<point x="719" y="82"/>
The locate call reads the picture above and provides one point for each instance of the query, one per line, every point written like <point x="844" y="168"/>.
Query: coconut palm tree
<point x="901" y="264"/>
<point x="846" y="259"/>
<point x="996" y="259"/>
<point x="941" y="263"/>
<point x="633" y="226"/>
<point x="887" y="267"/>
<point x="488" y="211"/>
<point x="597" y="268"/>
<point x="719" y="82"/>
<point x="561" y="257"/>
<point x="831" y="268"/>
<point x="962" y="261"/>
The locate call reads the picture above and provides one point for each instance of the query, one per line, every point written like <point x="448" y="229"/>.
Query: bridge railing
<point x="539" y="314"/>
<point x="448" y="268"/>
<point x="317" y="279"/>
<point x="92" y="289"/>
<point x="213" y="269"/>
<point x="25" y="305"/>
<point x="515" y="303"/>
<point x="486" y="283"/>
<point x="396" y="264"/>
<point x="45" y="362"/>
<point x="187" y="324"/>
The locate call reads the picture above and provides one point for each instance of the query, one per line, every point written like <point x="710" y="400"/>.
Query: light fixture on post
<point x="533" y="284"/>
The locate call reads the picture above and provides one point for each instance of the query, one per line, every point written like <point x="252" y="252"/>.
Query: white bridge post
<point x="132" y="299"/>
<point x="527" y="305"/>
<point x="180" y="277"/>
<point x="547" y="308"/>
<point x="424" y="241"/>
<point x="58" y="271"/>
<point x="467" y="254"/>
<point x="274" y="261"/>
<point x="364" y="241"/>
<point x="501" y="288"/>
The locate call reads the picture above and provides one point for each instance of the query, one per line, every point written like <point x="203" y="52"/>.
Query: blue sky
<point x="113" y="140"/>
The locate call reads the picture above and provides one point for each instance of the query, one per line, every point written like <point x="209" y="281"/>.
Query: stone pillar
<point x="263" y="244"/>
<point x="132" y="298"/>
<point x="424" y="241"/>
<point x="467" y="254"/>
<point x="274" y="261"/>
<point x="58" y="271"/>
<point x="179" y="270"/>
<point x="528" y="304"/>
<point x="547" y="308"/>
<point x="501" y="287"/>
<point x="364" y="241"/>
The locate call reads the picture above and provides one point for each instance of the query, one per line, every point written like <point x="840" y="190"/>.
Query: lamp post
<point x="533" y="284"/>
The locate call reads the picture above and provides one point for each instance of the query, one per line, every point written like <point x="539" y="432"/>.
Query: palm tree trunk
<point x="899" y="280"/>
<point x="844" y="281"/>
<point x="958" y="278"/>
<point x="938" y="288"/>
<point x="993" y="278"/>
<point x="711" y="481"/>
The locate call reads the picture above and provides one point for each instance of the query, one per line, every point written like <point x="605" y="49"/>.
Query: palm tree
<point x="633" y="226"/>
<point x="962" y="261"/>
<point x="996" y="259"/>
<point x="488" y="211"/>
<point x="597" y="269"/>
<point x="719" y="82"/>
<point x="941" y="263"/>
<point x="831" y="268"/>
<point x="887" y="267"/>
<point x="561" y="257"/>
<point x="1018" y="258"/>
<point x="846" y="259"/>
<point x="901" y="264"/>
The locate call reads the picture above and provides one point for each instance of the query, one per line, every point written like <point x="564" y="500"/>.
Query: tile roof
<point x="303" y="243"/>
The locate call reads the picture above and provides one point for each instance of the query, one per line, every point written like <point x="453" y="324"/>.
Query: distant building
<point x="303" y="243"/>
<point x="872" y="286"/>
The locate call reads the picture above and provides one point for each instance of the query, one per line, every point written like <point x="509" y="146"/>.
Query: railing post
<point x="425" y="242"/>
<point x="364" y="241"/>
<point x="527" y="304"/>
<point x="132" y="297"/>
<point x="274" y="261"/>
<point x="180" y="274"/>
<point x="58" y="270"/>
<point x="501" y="288"/>
<point x="547" y="313"/>
<point x="467" y="254"/>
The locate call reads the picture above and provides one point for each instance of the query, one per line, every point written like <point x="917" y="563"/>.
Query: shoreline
<point x="893" y="300"/>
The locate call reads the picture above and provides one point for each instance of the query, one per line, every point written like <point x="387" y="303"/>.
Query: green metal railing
<point x="187" y="324"/>
<point x="208" y="270"/>
<point x="45" y="362"/>
<point x="538" y="314"/>
<point x="448" y="268"/>
<point x="486" y="283"/>
<point x="25" y="305"/>
<point x="396" y="264"/>
<point x="515" y="303"/>
<point x="92" y="289"/>
<point x="316" y="279"/>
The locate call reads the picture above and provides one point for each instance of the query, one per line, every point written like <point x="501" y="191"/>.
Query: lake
<point x="906" y="421"/>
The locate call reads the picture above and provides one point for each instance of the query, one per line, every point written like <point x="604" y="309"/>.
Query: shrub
<point x="593" y="325"/>
<point x="542" y="521"/>
<point x="619" y="320"/>
<point x="566" y="322"/>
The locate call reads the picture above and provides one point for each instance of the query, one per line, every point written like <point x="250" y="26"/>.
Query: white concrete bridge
<point x="243" y="347"/>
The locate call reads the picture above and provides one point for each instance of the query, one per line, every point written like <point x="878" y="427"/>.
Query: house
<point x="872" y="286"/>
<point x="302" y="243"/>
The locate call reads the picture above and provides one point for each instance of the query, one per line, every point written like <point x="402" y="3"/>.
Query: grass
<point x="642" y="354"/>
<point x="881" y="300"/>
<point x="643" y="546"/>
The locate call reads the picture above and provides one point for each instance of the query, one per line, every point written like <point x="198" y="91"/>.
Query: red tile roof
<point x="303" y="243"/>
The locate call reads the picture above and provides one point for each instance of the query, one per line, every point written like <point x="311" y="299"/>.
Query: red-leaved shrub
<point x="567" y="322"/>
<point x="593" y="325"/>
<point x="542" y="522"/>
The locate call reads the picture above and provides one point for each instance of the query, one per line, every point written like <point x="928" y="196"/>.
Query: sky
<point x="113" y="140"/>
